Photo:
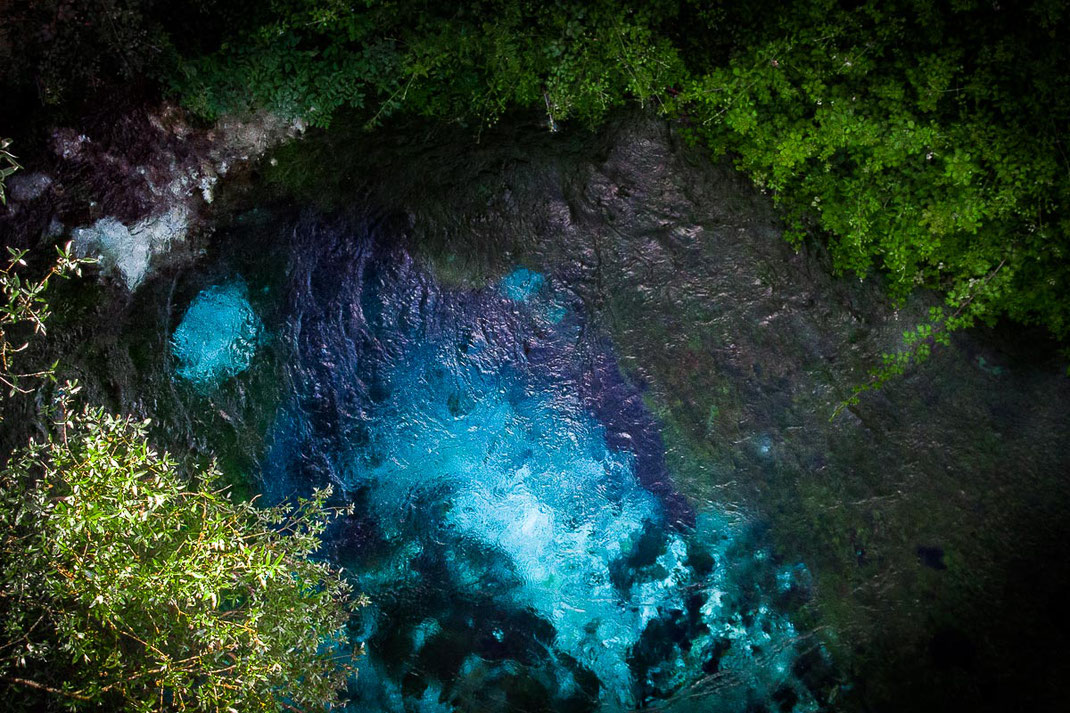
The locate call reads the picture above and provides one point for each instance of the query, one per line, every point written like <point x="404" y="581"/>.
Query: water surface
<point x="517" y="529"/>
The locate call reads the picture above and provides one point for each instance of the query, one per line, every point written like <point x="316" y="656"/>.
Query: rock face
<point x="136" y="186"/>
<point x="128" y="252"/>
<point x="25" y="187"/>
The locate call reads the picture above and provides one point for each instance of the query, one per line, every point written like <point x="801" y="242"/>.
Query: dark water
<point x="517" y="529"/>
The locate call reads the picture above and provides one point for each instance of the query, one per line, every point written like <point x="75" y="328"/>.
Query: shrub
<point x="123" y="583"/>
<point x="923" y="140"/>
<point x="8" y="165"/>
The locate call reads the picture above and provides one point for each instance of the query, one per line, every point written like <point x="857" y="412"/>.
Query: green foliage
<point x="123" y="583"/>
<point x="918" y="343"/>
<point x="468" y="62"/>
<point x="924" y="140"/>
<point x="24" y="309"/>
<point x="8" y="165"/>
<point x="63" y="50"/>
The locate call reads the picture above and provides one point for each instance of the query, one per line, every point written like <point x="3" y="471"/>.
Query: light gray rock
<point x="180" y="186"/>
<point x="127" y="252"/>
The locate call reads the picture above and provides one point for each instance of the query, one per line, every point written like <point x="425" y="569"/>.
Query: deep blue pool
<point x="517" y="529"/>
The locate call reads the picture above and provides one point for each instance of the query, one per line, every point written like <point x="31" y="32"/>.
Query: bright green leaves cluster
<point x="294" y="66"/>
<point x="145" y="591"/>
<point x="923" y="140"/>
<point x="23" y="312"/>
<point x="575" y="60"/>
<point x="819" y="123"/>
<point x="8" y="165"/>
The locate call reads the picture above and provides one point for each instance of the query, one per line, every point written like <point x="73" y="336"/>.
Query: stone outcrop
<point x="132" y="190"/>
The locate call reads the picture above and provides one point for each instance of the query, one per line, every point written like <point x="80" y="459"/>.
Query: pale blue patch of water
<point x="794" y="576"/>
<point x="528" y="474"/>
<point x="764" y="445"/>
<point x="532" y="288"/>
<point x="217" y="337"/>
<point x="521" y="284"/>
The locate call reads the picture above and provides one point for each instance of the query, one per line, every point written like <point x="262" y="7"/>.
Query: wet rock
<point x="68" y="143"/>
<point x="25" y="187"/>
<point x="136" y="185"/>
<point x="128" y="252"/>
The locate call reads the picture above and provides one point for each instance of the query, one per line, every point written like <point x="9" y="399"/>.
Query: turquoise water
<point x="516" y="529"/>
<point x="533" y="289"/>
<point x="522" y="284"/>
<point x="217" y="337"/>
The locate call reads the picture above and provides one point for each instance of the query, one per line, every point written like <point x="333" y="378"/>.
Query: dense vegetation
<point x="8" y="165"/>
<point x="130" y="583"/>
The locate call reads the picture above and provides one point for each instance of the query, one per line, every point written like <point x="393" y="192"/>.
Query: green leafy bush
<point x="123" y="583"/>
<point x="8" y="165"/>
<point x="61" y="51"/>
<point x="924" y="140"/>
<point x="466" y="62"/>
<point x="23" y="312"/>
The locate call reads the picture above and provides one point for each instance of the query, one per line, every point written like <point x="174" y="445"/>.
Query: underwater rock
<point x="722" y="340"/>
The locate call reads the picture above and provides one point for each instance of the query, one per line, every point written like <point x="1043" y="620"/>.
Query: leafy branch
<point x="157" y="587"/>
<point x="8" y="165"/>
<point x="23" y="306"/>
<point x="919" y="342"/>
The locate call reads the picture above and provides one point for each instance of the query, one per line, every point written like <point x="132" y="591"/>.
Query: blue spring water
<point x="532" y="288"/>
<point x="217" y="337"/>
<point x="517" y="529"/>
